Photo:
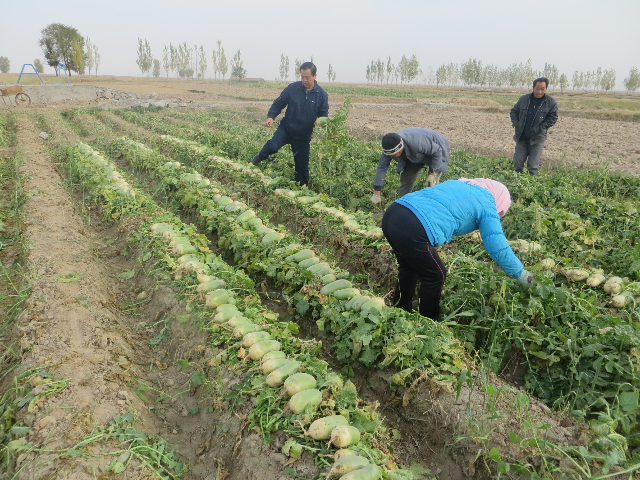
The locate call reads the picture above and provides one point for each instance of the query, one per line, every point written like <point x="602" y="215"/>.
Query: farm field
<point x="125" y="231"/>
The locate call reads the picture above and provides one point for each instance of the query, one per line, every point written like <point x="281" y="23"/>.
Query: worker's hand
<point x="269" y="122"/>
<point x="375" y="198"/>
<point x="432" y="180"/>
<point x="526" y="279"/>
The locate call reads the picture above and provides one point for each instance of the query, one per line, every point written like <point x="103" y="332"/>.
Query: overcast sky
<point x="572" y="34"/>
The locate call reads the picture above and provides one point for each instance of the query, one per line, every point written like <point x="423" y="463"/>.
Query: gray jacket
<point x="421" y="145"/>
<point x="546" y="117"/>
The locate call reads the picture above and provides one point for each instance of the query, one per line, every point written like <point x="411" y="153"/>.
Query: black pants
<point x="300" y="148"/>
<point x="417" y="260"/>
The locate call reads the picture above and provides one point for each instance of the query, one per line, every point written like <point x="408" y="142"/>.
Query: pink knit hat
<point x="498" y="190"/>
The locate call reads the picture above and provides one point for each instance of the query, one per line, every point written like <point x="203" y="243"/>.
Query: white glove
<point x="526" y="279"/>
<point x="433" y="179"/>
<point x="376" y="199"/>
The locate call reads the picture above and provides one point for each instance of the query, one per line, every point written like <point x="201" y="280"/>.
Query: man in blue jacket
<point x="414" y="148"/>
<point x="531" y="117"/>
<point x="306" y="101"/>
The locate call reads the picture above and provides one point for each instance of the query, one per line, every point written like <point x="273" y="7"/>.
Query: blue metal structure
<point x="60" y="67"/>
<point x="35" y="72"/>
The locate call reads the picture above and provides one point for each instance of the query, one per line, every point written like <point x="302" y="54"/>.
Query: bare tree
<point x="166" y="59"/>
<point x="88" y="55"/>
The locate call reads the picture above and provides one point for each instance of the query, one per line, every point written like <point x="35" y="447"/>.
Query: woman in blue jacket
<point x="417" y="223"/>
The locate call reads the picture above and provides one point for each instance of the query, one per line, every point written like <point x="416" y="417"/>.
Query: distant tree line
<point x="407" y="70"/>
<point x="186" y="61"/>
<point x="473" y="73"/>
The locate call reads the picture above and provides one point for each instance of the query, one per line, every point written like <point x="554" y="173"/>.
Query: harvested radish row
<point x="273" y="364"/>
<point x="370" y="472"/>
<point x="344" y="435"/>
<point x="335" y="286"/>
<point x="242" y="330"/>
<point x="272" y="355"/>
<point x="238" y="320"/>
<point x="301" y="400"/>
<point x="321" y="429"/>
<point x="346" y="464"/>
<point x="277" y="377"/>
<point x="257" y="350"/>
<point x="254" y="337"/>
<point x="299" y="382"/>
<point x="613" y="285"/>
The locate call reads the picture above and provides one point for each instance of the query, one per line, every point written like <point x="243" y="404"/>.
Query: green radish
<point x="234" y="206"/>
<point x="226" y="306"/>
<point x="335" y="286"/>
<point x="272" y="237"/>
<point x="254" y="337"/>
<point x="273" y="364"/>
<point x="322" y="121"/>
<point x="238" y="320"/>
<point x="273" y="355"/>
<point x="576" y="274"/>
<point x="246" y="216"/>
<point x="317" y="267"/>
<point x="242" y="330"/>
<point x="263" y="230"/>
<point x="217" y="297"/>
<point x="344" y="452"/>
<point x="303" y="254"/>
<point x="370" y="472"/>
<point x="324" y="271"/>
<point x="210" y="285"/>
<point x="301" y="400"/>
<point x="346" y="464"/>
<point x="350" y="303"/>
<point x="225" y="316"/>
<point x="161" y="227"/>
<point x="288" y="248"/>
<point x="595" y="280"/>
<point x="308" y="262"/>
<point x="277" y="377"/>
<point x="305" y="200"/>
<point x="182" y="249"/>
<point x="299" y="382"/>
<point x="344" y="435"/>
<point x="204" y="278"/>
<point x="613" y="285"/>
<point x="224" y="201"/>
<point x="374" y="305"/>
<point x="179" y="241"/>
<point x="255" y="222"/>
<point x="351" y="224"/>
<point x="328" y="278"/>
<point x="346" y="293"/>
<point x="189" y="258"/>
<point x="257" y="350"/>
<point x="321" y="428"/>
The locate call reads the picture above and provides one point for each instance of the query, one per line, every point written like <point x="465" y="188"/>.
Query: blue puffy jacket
<point x="455" y="208"/>
<point x="303" y="108"/>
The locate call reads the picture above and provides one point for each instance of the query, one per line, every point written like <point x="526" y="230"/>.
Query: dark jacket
<point x="546" y="117"/>
<point x="303" y="108"/>
<point x="421" y="145"/>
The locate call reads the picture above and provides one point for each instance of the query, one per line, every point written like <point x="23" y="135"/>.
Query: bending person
<point x="417" y="223"/>
<point x="414" y="148"/>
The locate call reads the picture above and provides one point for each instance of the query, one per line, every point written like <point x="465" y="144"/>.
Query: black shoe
<point x="255" y="160"/>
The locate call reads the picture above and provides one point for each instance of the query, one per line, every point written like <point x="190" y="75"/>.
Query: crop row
<point x="559" y="351"/>
<point x="573" y="347"/>
<point x="226" y="304"/>
<point x="589" y="217"/>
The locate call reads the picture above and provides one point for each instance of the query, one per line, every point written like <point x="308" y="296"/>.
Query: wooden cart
<point x="20" y="98"/>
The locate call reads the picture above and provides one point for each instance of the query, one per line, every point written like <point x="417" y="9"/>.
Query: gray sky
<point x="572" y="34"/>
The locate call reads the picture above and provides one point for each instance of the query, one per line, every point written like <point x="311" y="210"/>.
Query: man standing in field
<point x="532" y="116"/>
<point x="414" y="148"/>
<point x="306" y="101"/>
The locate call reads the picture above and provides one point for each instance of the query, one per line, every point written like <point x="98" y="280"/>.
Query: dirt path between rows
<point x="69" y="328"/>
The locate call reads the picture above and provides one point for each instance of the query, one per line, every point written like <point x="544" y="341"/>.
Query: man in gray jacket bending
<point x="414" y="148"/>
<point x="532" y="116"/>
